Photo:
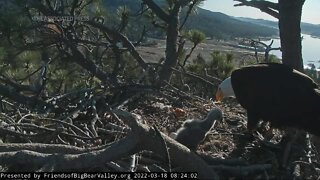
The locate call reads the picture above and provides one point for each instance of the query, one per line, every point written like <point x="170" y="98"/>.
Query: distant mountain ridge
<point x="213" y="24"/>
<point x="306" y="28"/>
<point x="224" y="26"/>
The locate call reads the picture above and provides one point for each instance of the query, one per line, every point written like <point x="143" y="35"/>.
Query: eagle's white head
<point x="225" y="90"/>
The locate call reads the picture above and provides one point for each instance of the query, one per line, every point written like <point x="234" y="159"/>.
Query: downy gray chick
<point x="193" y="131"/>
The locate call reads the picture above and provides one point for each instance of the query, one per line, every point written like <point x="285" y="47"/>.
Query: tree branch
<point x="157" y="10"/>
<point x="264" y="6"/>
<point x="28" y="101"/>
<point x="87" y="64"/>
<point x="191" y="6"/>
<point x="126" y="42"/>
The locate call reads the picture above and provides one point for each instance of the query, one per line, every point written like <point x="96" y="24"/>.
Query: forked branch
<point x="264" y="6"/>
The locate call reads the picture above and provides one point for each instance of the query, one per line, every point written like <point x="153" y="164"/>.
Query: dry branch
<point x="126" y="42"/>
<point x="264" y="6"/>
<point x="70" y="162"/>
<point x="64" y="158"/>
<point x="31" y="102"/>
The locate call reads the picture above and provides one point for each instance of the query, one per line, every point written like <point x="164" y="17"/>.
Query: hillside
<point x="306" y="28"/>
<point x="217" y="24"/>
<point x="213" y="24"/>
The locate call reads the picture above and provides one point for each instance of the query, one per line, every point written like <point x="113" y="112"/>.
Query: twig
<point x="194" y="76"/>
<point x="164" y="147"/>
<point x="27" y="125"/>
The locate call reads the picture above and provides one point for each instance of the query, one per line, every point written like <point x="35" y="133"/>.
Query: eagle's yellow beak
<point x="219" y="95"/>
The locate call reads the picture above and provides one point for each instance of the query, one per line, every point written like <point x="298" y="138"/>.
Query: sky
<point x="310" y="11"/>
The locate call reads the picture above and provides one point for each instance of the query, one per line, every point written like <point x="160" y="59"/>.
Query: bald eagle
<point x="275" y="93"/>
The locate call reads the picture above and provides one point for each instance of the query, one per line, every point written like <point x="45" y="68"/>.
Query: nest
<point x="134" y="138"/>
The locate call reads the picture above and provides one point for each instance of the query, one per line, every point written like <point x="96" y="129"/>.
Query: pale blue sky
<point x="310" y="13"/>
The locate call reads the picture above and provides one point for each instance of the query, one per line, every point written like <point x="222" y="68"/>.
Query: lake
<point x="310" y="50"/>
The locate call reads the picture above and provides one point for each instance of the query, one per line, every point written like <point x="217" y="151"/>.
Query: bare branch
<point x="126" y="42"/>
<point x="140" y="138"/>
<point x="191" y="6"/>
<point x="28" y="101"/>
<point x="79" y="58"/>
<point x="190" y="74"/>
<point x="157" y="10"/>
<point x="264" y="6"/>
<point x="42" y="148"/>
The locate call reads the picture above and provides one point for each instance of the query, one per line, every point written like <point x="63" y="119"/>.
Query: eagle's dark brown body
<point x="278" y="94"/>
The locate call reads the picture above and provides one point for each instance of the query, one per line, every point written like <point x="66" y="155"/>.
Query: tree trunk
<point x="172" y="48"/>
<point x="290" y="33"/>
